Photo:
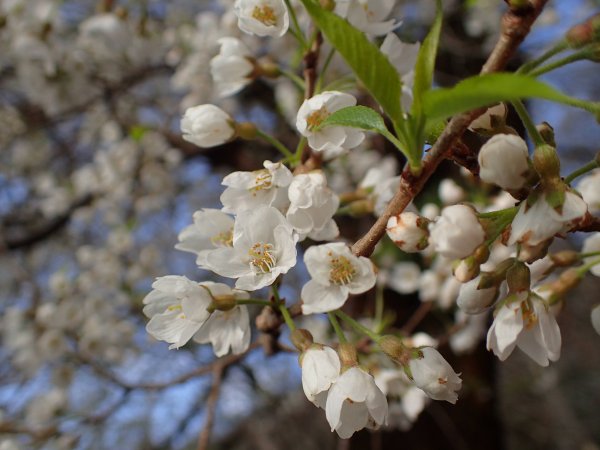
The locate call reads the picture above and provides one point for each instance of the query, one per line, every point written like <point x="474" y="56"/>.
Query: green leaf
<point x="363" y="118"/>
<point x="425" y="64"/>
<point x="484" y="90"/>
<point x="366" y="60"/>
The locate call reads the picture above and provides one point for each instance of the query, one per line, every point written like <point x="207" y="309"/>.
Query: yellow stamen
<point x="265" y="14"/>
<point x="263" y="179"/>
<point x="317" y="117"/>
<point x="342" y="271"/>
<point x="262" y="259"/>
<point x="223" y="239"/>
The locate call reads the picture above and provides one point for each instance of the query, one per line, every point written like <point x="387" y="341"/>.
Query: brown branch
<point x="203" y="370"/>
<point x="515" y="26"/>
<point x="211" y="406"/>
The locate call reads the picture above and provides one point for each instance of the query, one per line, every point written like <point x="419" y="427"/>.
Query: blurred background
<point x="96" y="183"/>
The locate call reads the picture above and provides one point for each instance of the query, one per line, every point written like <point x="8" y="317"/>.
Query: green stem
<point x="336" y="327"/>
<point x="324" y="69"/>
<point x="528" y="66"/>
<point x="533" y="132"/>
<point x="589" y="255"/>
<point x="357" y="326"/>
<point x="298" y="82"/>
<point x="573" y="57"/>
<point x="297" y="32"/>
<point x="582" y="170"/>
<point x="581" y="270"/>
<point x="275" y="143"/>
<point x="287" y="316"/>
<point x="501" y="219"/>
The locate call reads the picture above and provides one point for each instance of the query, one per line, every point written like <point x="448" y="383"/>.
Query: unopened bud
<point x="474" y="300"/>
<point x="395" y="349"/>
<point x="546" y="162"/>
<point x="547" y="133"/>
<point x="268" y="69"/>
<point x="347" y="354"/>
<point x="518" y="278"/>
<point x="467" y="269"/>
<point x="246" y="130"/>
<point x="565" y="258"/>
<point x="580" y="35"/>
<point x="531" y="253"/>
<point x="302" y="339"/>
<point x="558" y="288"/>
<point x="409" y="231"/>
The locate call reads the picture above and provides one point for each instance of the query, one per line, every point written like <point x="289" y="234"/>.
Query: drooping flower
<point x="262" y="17"/>
<point x="336" y="273"/>
<point x="503" y="160"/>
<point x="331" y="141"/>
<point x="212" y="230"/>
<point x="320" y="369"/>
<point x="473" y="300"/>
<point x="457" y="233"/>
<point x="232" y="68"/>
<point x="368" y="15"/>
<point x="536" y="223"/>
<point x="207" y="126"/>
<point x="177" y="308"/>
<point x="228" y="329"/>
<point x="264" y="246"/>
<point x="525" y="321"/>
<point x="251" y="190"/>
<point x="355" y="402"/>
<point x="312" y="206"/>
<point x="432" y="373"/>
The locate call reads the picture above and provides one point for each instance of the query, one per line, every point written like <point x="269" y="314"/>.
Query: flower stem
<point x="533" y="132"/>
<point x="357" y="326"/>
<point x="298" y="82"/>
<point x="336" y="327"/>
<point x="589" y="255"/>
<point x="556" y="49"/>
<point x="581" y="270"/>
<point x="583" y="54"/>
<point x="275" y="143"/>
<point x="582" y="170"/>
<point x="287" y="316"/>
<point x="297" y="31"/>
<point x="324" y="69"/>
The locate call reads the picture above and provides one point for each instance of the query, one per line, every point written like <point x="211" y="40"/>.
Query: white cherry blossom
<point x="457" y="232"/>
<point x="368" y="15"/>
<point x="207" y="126"/>
<point x="211" y="231"/>
<point x="232" y="68"/>
<point x="538" y="222"/>
<point x="264" y="246"/>
<point x="402" y="56"/>
<point x="592" y="245"/>
<point x="229" y="329"/>
<point x="589" y="187"/>
<point x="262" y="17"/>
<point x="503" y="160"/>
<point x="473" y="300"/>
<point x="320" y="369"/>
<point x="404" y="277"/>
<point x="312" y="206"/>
<point x="527" y="323"/>
<point x="432" y="373"/>
<point x="331" y="141"/>
<point x="408" y="231"/>
<point x="355" y="402"/>
<point x="336" y="273"/>
<point x="177" y="308"/>
<point x="250" y="190"/>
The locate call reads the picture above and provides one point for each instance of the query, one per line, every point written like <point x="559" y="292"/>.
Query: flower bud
<point x="529" y="253"/>
<point x="493" y="118"/>
<point x="546" y="162"/>
<point x="474" y="300"/>
<point x="580" y="35"/>
<point x="302" y="339"/>
<point x="207" y="126"/>
<point x="457" y="233"/>
<point x="433" y="375"/>
<point x="467" y="269"/>
<point x="518" y="278"/>
<point x="408" y="231"/>
<point x="493" y="279"/>
<point x="547" y="133"/>
<point x="503" y="161"/>
<point x="565" y="258"/>
<point x="567" y="280"/>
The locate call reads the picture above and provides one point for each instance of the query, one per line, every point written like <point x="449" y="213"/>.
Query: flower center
<point x="263" y="179"/>
<point x="265" y="14"/>
<point x="317" y="117"/>
<point x="177" y="308"/>
<point x="261" y="257"/>
<point x="342" y="271"/>
<point x="223" y="239"/>
<point x="530" y="318"/>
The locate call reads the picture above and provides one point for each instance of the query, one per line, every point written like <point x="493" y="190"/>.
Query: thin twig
<point x="515" y="26"/>
<point x="211" y="406"/>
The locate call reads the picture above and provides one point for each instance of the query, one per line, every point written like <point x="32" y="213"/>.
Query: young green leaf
<point x="484" y="90"/>
<point x="366" y="60"/>
<point x="363" y="118"/>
